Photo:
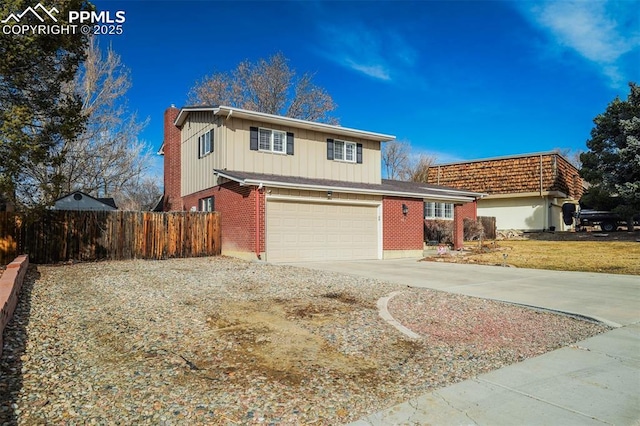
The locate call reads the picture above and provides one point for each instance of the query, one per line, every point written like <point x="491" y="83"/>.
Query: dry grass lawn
<point x="616" y="257"/>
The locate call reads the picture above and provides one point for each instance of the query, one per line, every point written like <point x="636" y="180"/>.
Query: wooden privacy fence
<point x="489" y="225"/>
<point x="55" y="236"/>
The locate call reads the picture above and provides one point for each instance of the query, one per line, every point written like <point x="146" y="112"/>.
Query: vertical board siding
<point x="231" y="151"/>
<point x="197" y="172"/>
<point x="57" y="236"/>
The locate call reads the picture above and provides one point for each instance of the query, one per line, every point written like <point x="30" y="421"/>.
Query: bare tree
<point x="418" y="170"/>
<point x="107" y="157"/>
<point x="399" y="163"/>
<point x="395" y="159"/>
<point x="268" y="86"/>
<point x="571" y="155"/>
<point x="140" y="195"/>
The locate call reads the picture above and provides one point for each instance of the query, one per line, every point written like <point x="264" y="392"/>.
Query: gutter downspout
<point x="545" y="211"/>
<point x="541" y="175"/>
<point x="258" y="192"/>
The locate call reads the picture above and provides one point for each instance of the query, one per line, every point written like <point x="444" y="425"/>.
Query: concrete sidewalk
<point x="596" y="381"/>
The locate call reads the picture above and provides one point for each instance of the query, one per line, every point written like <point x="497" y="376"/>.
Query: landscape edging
<point x="10" y="284"/>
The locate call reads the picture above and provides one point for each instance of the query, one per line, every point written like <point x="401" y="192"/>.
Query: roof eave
<point x="505" y="157"/>
<point x="284" y="121"/>
<point x="286" y="185"/>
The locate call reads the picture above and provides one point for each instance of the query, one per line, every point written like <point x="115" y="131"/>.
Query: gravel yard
<point x="223" y="341"/>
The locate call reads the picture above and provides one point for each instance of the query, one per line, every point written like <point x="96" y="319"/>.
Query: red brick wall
<point x="469" y="210"/>
<point x="400" y="232"/>
<point x="192" y="200"/>
<point x="460" y="213"/>
<point x="237" y="206"/>
<point x="172" y="173"/>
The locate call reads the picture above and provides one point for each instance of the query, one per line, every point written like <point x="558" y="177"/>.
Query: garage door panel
<point x="315" y="231"/>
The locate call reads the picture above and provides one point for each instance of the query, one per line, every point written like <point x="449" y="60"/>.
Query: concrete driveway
<point x="612" y="299"/>
<point x="596" y="381"/>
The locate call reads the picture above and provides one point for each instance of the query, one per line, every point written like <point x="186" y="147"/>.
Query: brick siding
<point x="468" y="210"/>
<point x="237" y="206"/>
<point x="172" y="172"/>
<point x="458" y="227"/>
<point x="402" y="232"/>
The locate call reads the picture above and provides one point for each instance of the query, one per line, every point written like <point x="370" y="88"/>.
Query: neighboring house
<point x="525" y="192"/>
<point x="291" y="189"/>
<point x="80" y="201"/>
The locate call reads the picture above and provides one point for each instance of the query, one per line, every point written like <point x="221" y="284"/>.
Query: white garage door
<point x="298" y="231"/>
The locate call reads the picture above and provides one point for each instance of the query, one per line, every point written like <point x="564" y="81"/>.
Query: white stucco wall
<point x="526" y="213"/>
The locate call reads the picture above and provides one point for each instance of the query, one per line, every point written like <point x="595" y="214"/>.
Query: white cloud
<point x="600" y="31"/>
<point x="375" y="71"/>
<point x="382" y="55"/>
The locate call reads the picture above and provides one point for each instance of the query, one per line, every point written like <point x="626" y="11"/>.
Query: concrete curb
<point x="10" y="285"/>
<point x="384" y="313"/>
<point x="590" y="318"/>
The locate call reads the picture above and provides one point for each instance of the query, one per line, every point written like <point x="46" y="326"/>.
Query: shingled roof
<point x="386" y="187"/>
<point x="527" y="173"/>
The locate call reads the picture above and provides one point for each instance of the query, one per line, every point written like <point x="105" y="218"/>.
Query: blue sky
<point x="458" y="80"/>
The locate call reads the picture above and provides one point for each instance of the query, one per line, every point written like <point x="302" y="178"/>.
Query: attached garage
<point x="290" y="219"/>
<point x="315" y="231"/>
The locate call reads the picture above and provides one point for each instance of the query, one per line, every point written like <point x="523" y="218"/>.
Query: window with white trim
<point x="344" y="151"/>
<point x="433" y="210"/>
<point x="272" y="140"/>
<point x="205" y="204"/>
<point x="205" y="144"/>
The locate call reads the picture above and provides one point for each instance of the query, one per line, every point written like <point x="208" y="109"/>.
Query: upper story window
<point x="272" y="140"/>
<point x="434" y="210"/>
<point x="344" y="151"/>
<point x="269" y="140"/>
<point x="205" y="144"/>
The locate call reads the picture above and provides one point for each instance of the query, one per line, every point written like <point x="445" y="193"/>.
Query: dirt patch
<point x="278" y="341"/>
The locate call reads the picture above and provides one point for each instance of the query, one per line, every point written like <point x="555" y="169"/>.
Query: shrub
<point x="473" y="230"/>
<point x="438" y="230"/>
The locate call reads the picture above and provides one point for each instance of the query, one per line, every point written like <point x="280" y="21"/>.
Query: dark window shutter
<point x="359" y="153"/>
<point x="253" y="139"/>
<point x="199" y="146"/>
<point x="211" y="138"/>
<point x="289" y="143"/>
<point x="329" y="149"/>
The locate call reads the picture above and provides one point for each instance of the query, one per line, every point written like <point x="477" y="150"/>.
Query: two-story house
<point x="290" y="189"/>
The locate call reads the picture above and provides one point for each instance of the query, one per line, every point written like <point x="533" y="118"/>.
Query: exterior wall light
<point x="329" y="194"/>
<point x="405" y="209"/>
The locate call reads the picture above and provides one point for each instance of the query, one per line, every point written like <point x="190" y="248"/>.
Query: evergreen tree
<point x="612" y="164"/>
<point x="37" y="111"/>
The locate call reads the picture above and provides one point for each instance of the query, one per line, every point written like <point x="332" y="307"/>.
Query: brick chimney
<point x="172" y="173"/>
